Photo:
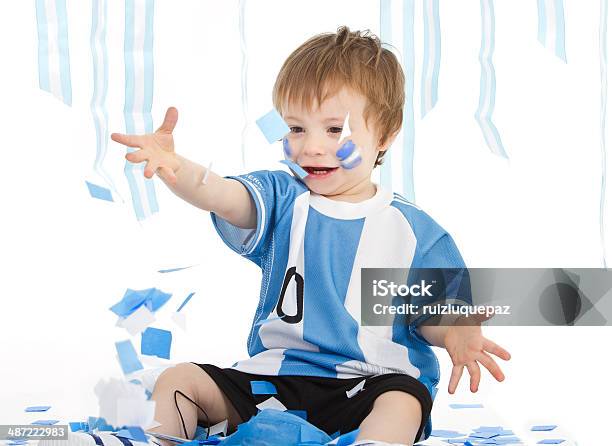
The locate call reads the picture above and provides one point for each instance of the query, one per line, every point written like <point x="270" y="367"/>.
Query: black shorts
<point x="323" y="399"/>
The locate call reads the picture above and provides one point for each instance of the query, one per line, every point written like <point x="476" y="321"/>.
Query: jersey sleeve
<point x="451" y="275"/>
<point x="273" y="192"/>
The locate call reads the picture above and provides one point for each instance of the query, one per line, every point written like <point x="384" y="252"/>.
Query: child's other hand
<point x="155" y="148"/>
<point x="467" y="346"/>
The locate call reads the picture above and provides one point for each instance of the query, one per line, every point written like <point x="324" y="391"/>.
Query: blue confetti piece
<point x="76" y="426"/>
<point x="296" y="168"/>
<point x="273" y="126"/>
<point x="348" y="438"/>
<point x="99" y="192"/>
<point x="133" y="433"/>
<point x="187" y="299"/>
<point x="446" y="433"/>
<point x="95" y="423"/>
<point x="131" y="300"/>
<point x="505" y="432"/>
<point x="263" y="388"/>
<point x="156" y="299"/>
<point x="156" y="342"/>
<point x="466" y="406"/>
<point x="486" y="435"/>
<point x="37" y="408"/>
<point x="127" y="357"/>
<point x="544" y="427"/>
<point x="299" y="413"/>
<point x="46" y="422"/>
<point x="171" y="270"/>
<point x="551" y="441"/>
<point x="502" y="440"/>
<point x="153" y="298"/>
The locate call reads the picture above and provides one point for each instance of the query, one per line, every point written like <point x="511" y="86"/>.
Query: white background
<point x="66" y="258"/>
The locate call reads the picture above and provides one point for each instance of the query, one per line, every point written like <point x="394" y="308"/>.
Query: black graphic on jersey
<point x="299" y="291"/>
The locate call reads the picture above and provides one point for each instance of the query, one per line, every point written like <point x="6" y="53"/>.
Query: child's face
<point x="314" y="143"/>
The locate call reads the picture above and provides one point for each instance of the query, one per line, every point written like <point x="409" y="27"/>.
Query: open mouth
<point x="319" y="172"/>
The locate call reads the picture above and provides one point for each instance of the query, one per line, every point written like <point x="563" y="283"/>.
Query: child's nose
<point x="314" y="145"/>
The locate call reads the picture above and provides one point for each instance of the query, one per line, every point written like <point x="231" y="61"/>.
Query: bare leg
<point x="199" y="387"/>
<point x="395" y="418"/>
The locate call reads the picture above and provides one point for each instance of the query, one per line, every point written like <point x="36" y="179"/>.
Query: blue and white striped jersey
<point x="311" y="250"/>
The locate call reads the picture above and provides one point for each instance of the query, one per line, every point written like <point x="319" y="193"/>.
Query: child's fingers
<point x="127" y="140"/>
<point x="474" y="371"/>
<point x="169" y="121"/>
<point x="491" y="366"/>
<point x="137" y="157"/>
<point x="455" y="377"/>
<point x="492" y="347"/>
<point x="150" y="168"/>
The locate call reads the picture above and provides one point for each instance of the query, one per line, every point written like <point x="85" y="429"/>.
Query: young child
<point x="311" y="237"/>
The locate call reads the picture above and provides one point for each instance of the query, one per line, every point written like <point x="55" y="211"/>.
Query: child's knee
<point x="181" y="377"/>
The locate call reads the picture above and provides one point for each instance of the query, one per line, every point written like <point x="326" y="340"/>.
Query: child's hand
<point x="156" y="148"/>
<point x="466" y="345"/>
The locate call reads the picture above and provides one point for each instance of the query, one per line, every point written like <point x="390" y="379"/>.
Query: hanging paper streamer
<point x="603" y="70"/>
<point x="243" y="78"/>
<point x="138" y="57"/>
<point x="53" y="55"/>
<point x="487" y="80"/>
<point x="386" y="178"/>
<point x="408" y="50"/>
<point x="100" y="87"/>
<point x="431" y="55"/>
<point x="551" y="26"/>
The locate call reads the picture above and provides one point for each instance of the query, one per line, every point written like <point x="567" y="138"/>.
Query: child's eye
<point x="296" y="129"/>
<point x="335" y="129"/>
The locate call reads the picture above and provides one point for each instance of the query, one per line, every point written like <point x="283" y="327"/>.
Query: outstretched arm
<point x="225" y="197"/>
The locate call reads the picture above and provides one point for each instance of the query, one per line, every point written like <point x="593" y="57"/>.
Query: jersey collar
<point x="347" y="211"/>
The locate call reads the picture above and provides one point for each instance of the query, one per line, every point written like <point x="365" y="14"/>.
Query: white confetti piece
<point x="346" y="130"/>
<point x="271" y="403"/>
<point x="355" y="390"/>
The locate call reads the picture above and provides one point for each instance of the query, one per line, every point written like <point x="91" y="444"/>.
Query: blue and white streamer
<point x="100" y="87"/>
<point x="386" y="177"/>
<point x="138" y="57"/>
<point x="487" y="80"/>
<point x="243" y="78"/>
<point x="53" y="54"/>
<point x="551" y="26"/>
<point x="603" y="71"/>
<point x="408" y="140"/>
<point x="431" y="55"/>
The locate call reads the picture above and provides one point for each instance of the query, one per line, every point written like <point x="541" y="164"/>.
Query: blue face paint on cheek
<point x="286" y="148"/>
<point x="352" y="161"/>
<point x="346" y="150"/>
<point x="349" y="155"/>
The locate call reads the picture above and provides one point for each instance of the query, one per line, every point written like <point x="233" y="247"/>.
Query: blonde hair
<point x="325" y="63"/>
